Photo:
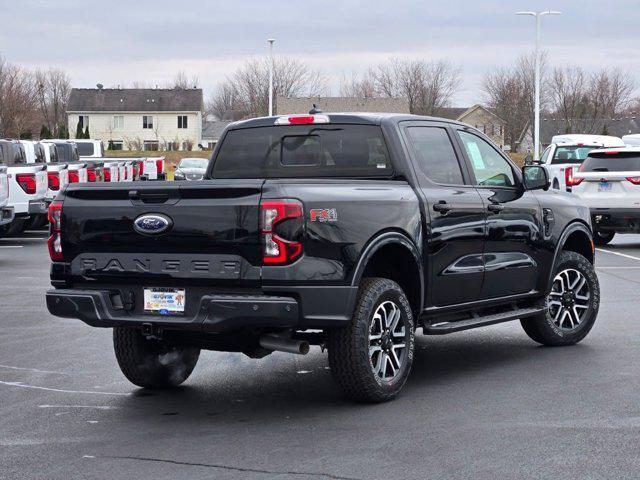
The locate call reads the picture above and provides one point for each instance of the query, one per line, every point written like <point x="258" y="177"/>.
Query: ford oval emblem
<point x="152" y="224"/>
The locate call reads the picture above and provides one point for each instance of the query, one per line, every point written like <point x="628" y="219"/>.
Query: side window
<point x="489" y="167"/>
<point x="435" y="156"/>
<point x="545" y="155"/>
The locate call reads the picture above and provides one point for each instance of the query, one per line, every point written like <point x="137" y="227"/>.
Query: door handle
<point x="495" y="207"/>
<point x="441" y="207"/>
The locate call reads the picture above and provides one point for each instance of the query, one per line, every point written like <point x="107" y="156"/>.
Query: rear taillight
<point x="142" y="168"/>
<point x="135" y="169"/>
<point x="570" y="180"/>
<point x="54" y="180"/>
<point x="91" y="175"/>
<point x="634" y="180"/>
<point x="159" y="166"/>
<point x="73" y="176"/>
<point x="107" y="174"/>
<point x="281" y="229"/>
<point x="27" y="181"/>
<point x="55" y="232"/>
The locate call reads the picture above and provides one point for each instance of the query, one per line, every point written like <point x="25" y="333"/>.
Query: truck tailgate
<point x="212" y="237"/>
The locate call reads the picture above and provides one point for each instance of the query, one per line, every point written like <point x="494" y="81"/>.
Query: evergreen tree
<point x="45" y="133"/>
<point x="86" y="132"/>
<point x="79" y="133"/>
<point x="62" y="131"/>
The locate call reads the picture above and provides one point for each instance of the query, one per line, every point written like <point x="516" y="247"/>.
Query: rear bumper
<point x="294" y="308"/>
<point x="7" y="214"/>
<point x="622" y="220"/>
<point x="37" y="207"/>
<point x="216" y="313"/>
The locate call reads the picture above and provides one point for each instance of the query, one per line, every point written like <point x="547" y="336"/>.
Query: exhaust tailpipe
<point x="284" y="344"/>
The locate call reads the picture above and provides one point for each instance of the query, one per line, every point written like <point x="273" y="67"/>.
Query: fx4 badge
<point x="323" y="215"/>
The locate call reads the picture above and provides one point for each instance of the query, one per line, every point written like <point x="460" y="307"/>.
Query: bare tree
<point x="247" y="89"/>
<point x="18" y="101"/>
<point x="509" y="92"/>
<point x="427" y="86"/>
<point x="52" y="91"/>
<point x="183" y="82"/>
<point x="586" y="102"/>
<point x="223" y="100"/>
<point x="358" y="87"/>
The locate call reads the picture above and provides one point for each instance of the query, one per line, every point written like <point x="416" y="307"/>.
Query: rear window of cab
<point x="299" y="151"/>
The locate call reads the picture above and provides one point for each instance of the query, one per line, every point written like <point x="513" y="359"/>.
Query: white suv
<point x="566" y="152"/>
<point x="608" y="181"/>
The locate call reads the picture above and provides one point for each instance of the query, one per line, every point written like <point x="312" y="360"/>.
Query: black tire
<point x="544" y="329"/>
<point x="350" y="361"/>
<point x="37" y="222"/>
<point x="16" y="227"/>
<point x="152" y="363"/>
<point x="603" y="238"/>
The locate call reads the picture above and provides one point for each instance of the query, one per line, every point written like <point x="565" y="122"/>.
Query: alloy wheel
<point x="569" y="299"/>
<point x="387" y="341"/>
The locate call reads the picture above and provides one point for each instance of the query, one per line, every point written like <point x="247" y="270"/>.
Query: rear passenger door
<point x="454" y="214"/>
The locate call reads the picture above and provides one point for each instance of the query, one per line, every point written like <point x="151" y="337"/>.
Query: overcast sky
<point x="118" y="42"/>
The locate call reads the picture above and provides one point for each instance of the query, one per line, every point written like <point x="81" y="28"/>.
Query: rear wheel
<point x="37" y="221"/>
<point x="371" y="358"/>
<point x="16" y="227"/>
<point x="573" y="303"/>
<point x="152" y="363"/>
<point x="603" y="238"/>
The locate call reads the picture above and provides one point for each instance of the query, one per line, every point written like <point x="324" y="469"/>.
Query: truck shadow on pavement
<point x="270" y="392"/>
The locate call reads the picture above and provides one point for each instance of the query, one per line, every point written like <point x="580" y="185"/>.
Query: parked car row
<point x="32" y="173"/>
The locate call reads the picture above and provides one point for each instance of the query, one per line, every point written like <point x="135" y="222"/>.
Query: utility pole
<point x="271" y="42"/>
<point x="536" y="115"/>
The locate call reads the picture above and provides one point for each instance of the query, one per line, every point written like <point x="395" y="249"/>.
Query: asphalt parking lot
<point x="483" y="404"/>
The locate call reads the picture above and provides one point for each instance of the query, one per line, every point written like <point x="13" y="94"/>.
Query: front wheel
<point x="572" y="303"/>
<point x="371" y="358"/>
<point x="152" y="363"/>
<point x="603" y="238"/>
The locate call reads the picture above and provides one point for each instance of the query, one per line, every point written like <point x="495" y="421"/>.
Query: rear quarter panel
<point x="364" y="209"/>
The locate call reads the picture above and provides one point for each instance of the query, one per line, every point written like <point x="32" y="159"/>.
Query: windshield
<point x="194" y="163"/>
<point x="620" y="162"/>
<point x="575" y="154"/>
<point x="303" y="151"/>
<point x="85" y="149"/>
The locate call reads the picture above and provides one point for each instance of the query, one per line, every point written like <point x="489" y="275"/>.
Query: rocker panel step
<point x="442" y="328"/>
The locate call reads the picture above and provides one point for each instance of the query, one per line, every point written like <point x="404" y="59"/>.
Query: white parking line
<point x="617" y="268"/>
<point x="618" y="253"/>
<point x="15" y="239"/>
<point x="11" y="246"/>
<point x="35" y="387"/>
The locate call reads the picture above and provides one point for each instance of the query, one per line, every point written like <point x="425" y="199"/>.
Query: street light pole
<point x="536" y="115"/>
<point x="271" y="41"/>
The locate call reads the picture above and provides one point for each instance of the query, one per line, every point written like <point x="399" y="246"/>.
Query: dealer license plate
<point x="164" y="301"/>
<point x="604" y="186"/>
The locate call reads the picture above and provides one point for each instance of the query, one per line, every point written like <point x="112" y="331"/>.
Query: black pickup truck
<point x="348" y="231"/>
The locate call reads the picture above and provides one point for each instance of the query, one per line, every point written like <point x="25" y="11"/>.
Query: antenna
<point x="100" y="86"/>
<point x="314" y="110"/>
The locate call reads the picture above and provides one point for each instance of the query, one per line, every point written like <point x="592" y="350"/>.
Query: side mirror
<point x="528" y="160"/>
<point x="535" y="177"/>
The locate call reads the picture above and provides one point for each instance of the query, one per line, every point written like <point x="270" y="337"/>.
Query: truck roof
<point x="363" y="118"/>
<point x="585" y="139"/>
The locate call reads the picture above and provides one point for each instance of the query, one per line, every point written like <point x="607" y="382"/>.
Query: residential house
<point x="138" y="118"/>
<point x="480" y="118"/>
<point x="292" y="105"/>
<point x="211" y="131"/>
